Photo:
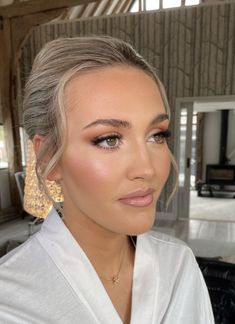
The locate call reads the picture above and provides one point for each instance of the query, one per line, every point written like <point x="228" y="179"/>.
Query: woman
<point x="98" y="119"/>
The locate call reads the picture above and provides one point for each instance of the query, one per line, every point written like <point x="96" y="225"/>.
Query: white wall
<point x="212" y="124"/>
<point x="211" y="141"/>
<point x="231" y="136"/>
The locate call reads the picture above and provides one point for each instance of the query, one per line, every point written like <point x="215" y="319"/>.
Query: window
<point x="171" y="3"/>
<point x="192" y="2"/>
<point x="152" y="5"/>
<point x="142" y="5"/>
<point x="135" y="6"/>
<point x="23" y="145"/>
<point x="3" y="153"/>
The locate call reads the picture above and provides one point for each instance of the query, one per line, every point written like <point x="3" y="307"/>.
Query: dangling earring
<point x="36" y="202"/>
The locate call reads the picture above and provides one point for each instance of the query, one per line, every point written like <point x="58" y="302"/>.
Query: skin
<point x="95" y="177"/>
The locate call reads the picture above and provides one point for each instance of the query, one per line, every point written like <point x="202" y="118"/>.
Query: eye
<point x="107" y="142"/>
<point x="160" y="137"/>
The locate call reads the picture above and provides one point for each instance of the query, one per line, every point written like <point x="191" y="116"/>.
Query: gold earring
<point x="36" y="201"/>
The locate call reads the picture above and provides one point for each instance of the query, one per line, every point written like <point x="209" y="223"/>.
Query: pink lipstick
<point x="139" y="198"/>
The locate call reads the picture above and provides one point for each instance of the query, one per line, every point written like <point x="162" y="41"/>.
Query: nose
<point x="140" y="164"/>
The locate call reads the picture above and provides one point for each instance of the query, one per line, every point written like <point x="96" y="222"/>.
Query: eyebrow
<point x="159" y="118"/>
<point x="118" y="123"/>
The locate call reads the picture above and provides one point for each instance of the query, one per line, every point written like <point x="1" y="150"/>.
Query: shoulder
<point x="16" y="253"/>
<point x="29" y="277"/>
<point x="31" y="251"/>
<point x="25" y="264"/>
<point x="20" y="254"/>
<point x="162" y="238"/>
<point x="164" y="241"/>
<point x="171" y="253"/>
<point x="181" y="286"/>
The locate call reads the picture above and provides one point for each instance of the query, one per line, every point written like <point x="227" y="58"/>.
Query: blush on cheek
<point x="90" y="171"/>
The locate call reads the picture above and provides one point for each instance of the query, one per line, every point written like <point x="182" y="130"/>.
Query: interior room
<point x="191" y="44"/>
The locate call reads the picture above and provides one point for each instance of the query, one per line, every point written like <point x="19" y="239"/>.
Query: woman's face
<point x="116" y="160"/>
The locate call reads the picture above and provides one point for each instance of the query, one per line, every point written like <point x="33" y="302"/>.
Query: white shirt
<point x="50" y="280"/>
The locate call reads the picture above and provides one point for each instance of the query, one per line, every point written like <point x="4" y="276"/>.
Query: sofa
<point x="220" y="280"/>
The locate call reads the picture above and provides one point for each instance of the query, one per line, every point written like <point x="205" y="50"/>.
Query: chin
<point x="141" y="226"/>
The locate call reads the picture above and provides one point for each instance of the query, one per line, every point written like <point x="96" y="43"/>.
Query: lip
<point x="139" y="198"/>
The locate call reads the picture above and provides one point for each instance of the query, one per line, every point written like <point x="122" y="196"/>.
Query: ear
<point x="38" y="143"/>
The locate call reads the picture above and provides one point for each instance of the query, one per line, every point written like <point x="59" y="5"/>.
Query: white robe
<point x="49" y="280"/>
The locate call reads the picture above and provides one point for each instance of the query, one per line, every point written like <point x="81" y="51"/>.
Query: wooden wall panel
<point x="196" y="50"/>
<point x="191" y="48"/>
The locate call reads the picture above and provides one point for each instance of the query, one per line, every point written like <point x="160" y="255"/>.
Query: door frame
<point x="178" y="104"/>
<point x="183" y="193"/>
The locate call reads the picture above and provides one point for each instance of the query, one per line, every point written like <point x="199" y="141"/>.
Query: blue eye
<point x="160" y="137"/>
<point x="107" y="142"/>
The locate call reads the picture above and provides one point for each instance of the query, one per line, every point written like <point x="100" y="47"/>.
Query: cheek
<point x="89" y="172"/>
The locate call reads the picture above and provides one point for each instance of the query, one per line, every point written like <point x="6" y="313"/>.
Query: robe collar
<point x="86" y="284"/>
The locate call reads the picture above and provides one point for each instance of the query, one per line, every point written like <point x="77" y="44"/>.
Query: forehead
<point x="119" y="90"/>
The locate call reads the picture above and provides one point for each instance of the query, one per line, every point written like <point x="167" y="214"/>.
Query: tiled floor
<point x="206" y="238"/>
<point x="198" y="229"/>
<point x="216" y="208"/>
<point x="210" y="230"/>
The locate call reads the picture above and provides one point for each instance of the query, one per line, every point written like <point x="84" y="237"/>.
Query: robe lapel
<point x="145" y="283"/>
<point x="77" y="269"/>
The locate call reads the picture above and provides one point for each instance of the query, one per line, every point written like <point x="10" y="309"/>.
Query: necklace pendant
<point x="115" y="280"/>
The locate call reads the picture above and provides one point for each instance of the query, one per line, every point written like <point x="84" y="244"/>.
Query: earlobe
<point x="54" y="175"/>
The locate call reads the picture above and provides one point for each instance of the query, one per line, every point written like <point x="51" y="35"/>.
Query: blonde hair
<point x="57" y="63"/>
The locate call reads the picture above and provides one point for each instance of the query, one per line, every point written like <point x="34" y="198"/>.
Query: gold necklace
<point x="116" y="278"/>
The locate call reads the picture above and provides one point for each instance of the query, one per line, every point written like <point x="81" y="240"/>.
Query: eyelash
<point x="162" y="136"/>
<point x="98" y="140"/>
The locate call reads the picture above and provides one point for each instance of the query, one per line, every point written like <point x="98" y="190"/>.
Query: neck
<point x="105" y="249"/>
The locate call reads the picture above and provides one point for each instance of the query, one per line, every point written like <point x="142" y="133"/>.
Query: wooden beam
<point x="125" y="6"/>
<point x="34" y="6"/>
<point x="12" y="146"/>
<point x="118" y="6"/>
<point x="13" y="33"/>
<point x="22" y="26"/>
